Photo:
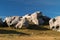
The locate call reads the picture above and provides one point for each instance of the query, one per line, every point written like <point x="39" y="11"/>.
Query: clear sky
<point x="49" y="8"/>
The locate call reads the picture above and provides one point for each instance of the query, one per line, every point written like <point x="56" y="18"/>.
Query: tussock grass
<point x="32" y="31"/>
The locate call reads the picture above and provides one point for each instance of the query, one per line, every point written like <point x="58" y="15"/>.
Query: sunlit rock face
<point x="11" y="20"/>
<point x="22" y="22"/>
<point x="55" y="23"/>
<point x="36" y="18"/>
<point x="42" y="19"/>
<point x="29" y="18"/>
<point x="15" y="20"/>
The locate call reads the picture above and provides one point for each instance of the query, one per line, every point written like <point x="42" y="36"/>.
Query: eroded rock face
<point x="11" y="20"/>
<point x="29" y="18"/>
<point x="42" y="19"/>
<point x="22" y="22"/>
<point x="36" y="18"/>
<point x="15" y="20"/>
<point x="7" y="20"/>
<point x="55" y="23"/>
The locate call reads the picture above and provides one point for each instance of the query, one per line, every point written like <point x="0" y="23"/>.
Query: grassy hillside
<point x="31" y="33"/>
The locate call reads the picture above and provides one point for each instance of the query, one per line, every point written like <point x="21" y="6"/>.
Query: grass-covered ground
<point x="32" y="33"/>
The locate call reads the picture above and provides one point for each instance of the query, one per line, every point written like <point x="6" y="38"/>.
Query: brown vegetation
<point x="32" y="33"/>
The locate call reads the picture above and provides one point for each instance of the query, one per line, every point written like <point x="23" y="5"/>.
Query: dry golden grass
<point x="32" y="33"/>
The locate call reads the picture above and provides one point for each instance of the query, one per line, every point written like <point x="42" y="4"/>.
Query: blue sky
<point x="49" y="8"/>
